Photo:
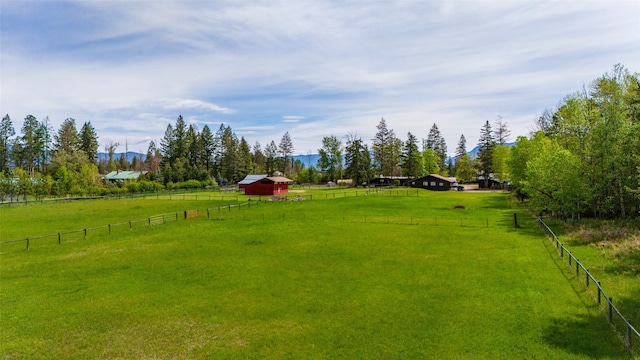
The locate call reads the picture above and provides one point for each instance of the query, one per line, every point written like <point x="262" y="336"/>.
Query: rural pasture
<point x="434" y="275"/>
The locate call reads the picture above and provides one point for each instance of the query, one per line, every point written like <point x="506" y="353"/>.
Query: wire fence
<point x="226" y="212"/>
<point x="630" y="335"/>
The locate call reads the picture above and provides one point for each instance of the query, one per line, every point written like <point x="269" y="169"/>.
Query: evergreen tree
<point x="384" y="143"/>
<point x="67" y="139"/>
<point x="285" y="150"/>
<point x="208" y="148"/>
<point x="6" y="132"/>
<point x="357" y="161"/>
<point x="32" y="145"/>
<point x="167" y="148"/>
<point x="152" y="159"/>
<point x="88" y="142"/>
<point x="486" y="144"/>
<point x="501" y="132"/>
<point x="436" y="142"/>
<point x="462" y="146"/>
<point x="245" y="159"/>
<point x="411" y="157"/>
<point x="258" y="159"/>
<point x="270" y="155"/>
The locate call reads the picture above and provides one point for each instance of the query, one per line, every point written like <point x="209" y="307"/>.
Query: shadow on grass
<point x="587" y="335"/>
<point x="590" y="334"/>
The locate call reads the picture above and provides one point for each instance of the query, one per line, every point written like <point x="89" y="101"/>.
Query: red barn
<point x="264" y="185"/>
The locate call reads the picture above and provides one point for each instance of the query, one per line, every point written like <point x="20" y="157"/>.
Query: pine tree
<point x="88" y="142"/>
<point x="285" y="150"/>
<point x="207" y="143"/>
<point x="411" y="157"/>
<point x="32" y="144"/>
<point x="462" y="146"/>
<point x="383" y="149"/>
<point x="436" y="142"/>
<point x="6" y="132"/>
<point x="270" y="155"/>
<point x="67" y="139"/>
<point x="501" y="132"/>
<point x="258" y="159"/>
<point x="486" y="143"/>
<point x="357" y="161"/>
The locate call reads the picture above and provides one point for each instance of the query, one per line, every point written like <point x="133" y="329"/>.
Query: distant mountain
<point x="307" y="160"/>
<point x="474" y="152"/>
<point x="129" y="155"/>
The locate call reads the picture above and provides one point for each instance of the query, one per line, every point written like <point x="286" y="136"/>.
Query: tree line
<point x="580" y="158"/>
<point x="583" y="157"/>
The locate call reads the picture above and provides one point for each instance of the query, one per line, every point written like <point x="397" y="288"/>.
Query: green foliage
<point x="465" y="172"/>
<point x="595" y="135"/>
<point x="430" y="160"/>
<point x="330" y="162"/>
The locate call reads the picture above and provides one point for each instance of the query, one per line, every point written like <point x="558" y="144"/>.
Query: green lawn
<point x="354" y="277"/>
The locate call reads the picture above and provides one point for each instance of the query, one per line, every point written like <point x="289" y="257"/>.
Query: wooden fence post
<point x="85" y="233"/>
<point x="58" y="238"/>
<point x="109" y="229"/>
<point x="27" y="243"/>
<point x="130" y="226"/>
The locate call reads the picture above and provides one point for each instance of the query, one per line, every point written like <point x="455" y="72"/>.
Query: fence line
<point x="620" y="323"/>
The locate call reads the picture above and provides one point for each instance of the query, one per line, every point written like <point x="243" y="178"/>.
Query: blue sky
<point x="312" y="68"/>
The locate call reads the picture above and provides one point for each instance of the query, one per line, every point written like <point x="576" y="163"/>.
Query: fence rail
<point x="614" y="316"/>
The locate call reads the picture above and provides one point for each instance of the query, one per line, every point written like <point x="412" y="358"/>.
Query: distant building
<point x="435" y="182"/>
<point x="264" y="185"/>
<point x="118" y="175"/>
<point x="491" y="183"/>
<point x="389" y="181"/>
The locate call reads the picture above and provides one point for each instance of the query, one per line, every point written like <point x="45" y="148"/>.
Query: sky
<point x="310" y="68"/>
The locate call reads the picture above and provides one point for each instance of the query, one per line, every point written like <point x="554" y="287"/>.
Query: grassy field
<point x="352" y="277"/>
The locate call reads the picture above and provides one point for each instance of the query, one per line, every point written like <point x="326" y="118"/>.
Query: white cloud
<point x="292" y="118"/>
<point x="137" y="65"/>
<point x="195" y="104"/>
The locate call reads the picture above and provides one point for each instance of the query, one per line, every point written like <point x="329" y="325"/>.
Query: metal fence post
<point x="599" y="291"/>
<point x="577" y="267"/>
<point x="58" y="238"/>
<point x="27" y="243"/>
<point x="85" y="233"/>
<point x="109" y="229"/>
<point x="130" y="226"/>
<point x="586" y="272"/>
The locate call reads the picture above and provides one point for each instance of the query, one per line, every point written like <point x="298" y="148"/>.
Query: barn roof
<point x="449" y="179"/>
<point x="280" y="179"/>
<point x="250" y="179"/>
<point x="124" y="175"/>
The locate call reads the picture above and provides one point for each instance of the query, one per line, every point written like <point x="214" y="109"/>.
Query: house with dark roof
<point x="383" y="181"/>
<point x="434" y="182"/>
<point x="264" y="185"/>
